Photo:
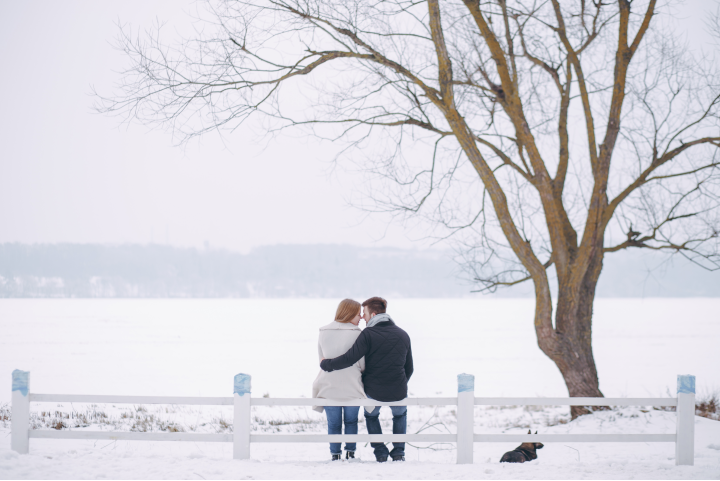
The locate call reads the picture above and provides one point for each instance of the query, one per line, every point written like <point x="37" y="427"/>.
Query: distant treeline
<point x="87" y="270"/>
<point x="330" y="271"/>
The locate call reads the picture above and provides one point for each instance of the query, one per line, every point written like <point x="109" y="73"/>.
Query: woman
<point x="335" y="339"/>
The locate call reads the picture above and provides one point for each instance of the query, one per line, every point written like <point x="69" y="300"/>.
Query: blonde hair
<point x="347" y="310"/>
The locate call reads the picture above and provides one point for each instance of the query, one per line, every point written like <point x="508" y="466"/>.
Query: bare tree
<point x="542" y="136"/>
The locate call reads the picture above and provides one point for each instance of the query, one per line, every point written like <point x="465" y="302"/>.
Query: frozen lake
<point x="196" y="346"/>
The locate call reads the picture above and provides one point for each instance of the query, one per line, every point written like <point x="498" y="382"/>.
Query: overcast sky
<point x="69" y="175"/>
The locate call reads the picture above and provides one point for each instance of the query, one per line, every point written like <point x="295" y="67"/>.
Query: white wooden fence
<point x="465" y="402"/>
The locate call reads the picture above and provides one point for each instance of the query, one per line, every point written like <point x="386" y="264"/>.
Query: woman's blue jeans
<point x="335" y="422"/>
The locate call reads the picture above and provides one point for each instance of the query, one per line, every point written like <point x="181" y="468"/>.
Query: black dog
<point x="524" y="452"/>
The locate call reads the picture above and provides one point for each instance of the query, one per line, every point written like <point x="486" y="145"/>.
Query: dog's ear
<point x="529" y="431"/>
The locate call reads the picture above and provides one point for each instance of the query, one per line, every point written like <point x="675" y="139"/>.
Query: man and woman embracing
<point x="375" y="363"/>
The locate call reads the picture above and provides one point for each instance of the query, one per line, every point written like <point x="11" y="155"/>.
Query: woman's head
<point x="348" y="311"/>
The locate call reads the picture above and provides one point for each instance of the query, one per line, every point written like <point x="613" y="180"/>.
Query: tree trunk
<point x="571" y="345"/>
<point x="577" y="366"/>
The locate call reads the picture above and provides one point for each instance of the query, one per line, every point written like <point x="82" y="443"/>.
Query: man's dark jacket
<point x="388" y="361"/>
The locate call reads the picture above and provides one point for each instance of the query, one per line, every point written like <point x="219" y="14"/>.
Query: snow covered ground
<point x="53" y="459"/>
<point x="194" y="347"/>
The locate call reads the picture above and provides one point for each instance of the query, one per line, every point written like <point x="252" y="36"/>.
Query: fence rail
<point x="574" y="401"/>
<point x="438" y="401"/>
<point x="464" y="438"/>
<point x="132" y="436"/>
<point x="93" y="398"/>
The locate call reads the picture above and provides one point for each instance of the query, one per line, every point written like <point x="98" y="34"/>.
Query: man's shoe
<point x="349" y="454"/>
<point x="398" y="458"/>
<point x="381" y="459"/>
<point x="336" y="457"/>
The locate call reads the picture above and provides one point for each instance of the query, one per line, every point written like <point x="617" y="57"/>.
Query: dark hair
<point x="377" y="305"/>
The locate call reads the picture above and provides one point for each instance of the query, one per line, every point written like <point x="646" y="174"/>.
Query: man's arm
<point x="409" y="363"/>
<point x="357" y="351"/>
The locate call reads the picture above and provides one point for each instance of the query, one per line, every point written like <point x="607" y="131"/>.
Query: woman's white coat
<point x="335" y="340"/>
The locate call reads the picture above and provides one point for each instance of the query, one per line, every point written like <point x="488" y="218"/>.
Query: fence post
<point x="241" y="416"/>
<point x="20" y="420"/>
<point x="685" y="442"/>
<point x="465" y="418"/>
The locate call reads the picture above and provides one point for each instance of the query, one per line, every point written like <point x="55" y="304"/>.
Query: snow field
<point x="87" y="459"/>
<point x="195" y="347"/>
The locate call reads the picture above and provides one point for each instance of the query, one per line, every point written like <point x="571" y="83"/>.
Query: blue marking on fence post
<point x="686" y="384"/>
<point x="21" y="381"/>
<point x="466" y="382"/>
<point x="242" y="384"/>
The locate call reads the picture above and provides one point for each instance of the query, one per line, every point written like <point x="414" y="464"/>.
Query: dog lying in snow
<point x="524" y="452"/>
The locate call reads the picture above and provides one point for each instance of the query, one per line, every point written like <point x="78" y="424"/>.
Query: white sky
<point x="69" y="175"/>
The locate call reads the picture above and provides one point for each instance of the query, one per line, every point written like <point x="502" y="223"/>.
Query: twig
<point x="578" y="452"/>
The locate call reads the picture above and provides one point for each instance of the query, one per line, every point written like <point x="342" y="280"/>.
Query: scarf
<point x="378" y="318"/>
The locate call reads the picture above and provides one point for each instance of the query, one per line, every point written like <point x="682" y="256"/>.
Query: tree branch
<point x="491" y="286"/>
<point x="643" y="178"/>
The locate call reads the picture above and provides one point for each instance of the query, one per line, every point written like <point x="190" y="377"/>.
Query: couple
<point x="375" y="363"/>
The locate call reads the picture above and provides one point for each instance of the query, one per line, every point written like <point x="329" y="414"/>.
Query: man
<point x="388" y="367"/>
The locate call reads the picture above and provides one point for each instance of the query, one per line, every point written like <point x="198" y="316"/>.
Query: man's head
<point x="372" y="307"/>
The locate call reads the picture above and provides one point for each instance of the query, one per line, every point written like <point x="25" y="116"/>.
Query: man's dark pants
<point x="372" y="422"/>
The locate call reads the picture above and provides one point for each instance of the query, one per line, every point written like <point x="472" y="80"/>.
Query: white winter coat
<point x="335" y="340"/>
